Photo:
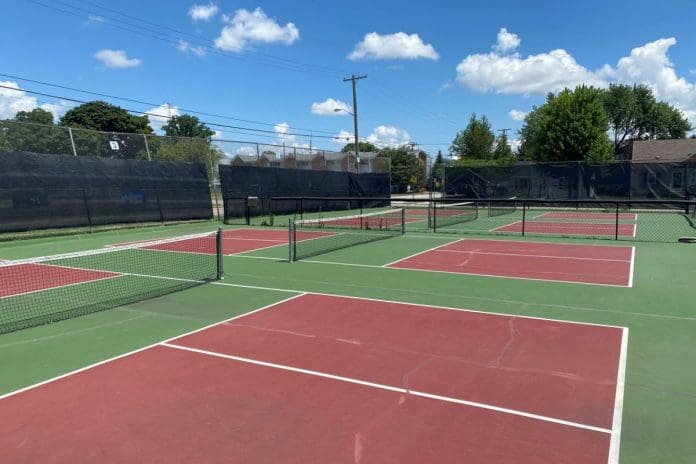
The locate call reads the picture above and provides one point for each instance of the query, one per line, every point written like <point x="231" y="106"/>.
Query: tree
<point x="364" y="147"/>
<point x="502" y="152"/>
<point x="36" y="116"/>
<point x="570" y="126"/>
<point x="187" y="126"/>
<point x="405" y="169"/>
<point x="102" y="116"/>
<point x="475" y="141"/>
<point x="437" y="171"/>
<point x="635" y="114"/>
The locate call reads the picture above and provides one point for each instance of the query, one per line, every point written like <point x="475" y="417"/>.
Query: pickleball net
<point x="312" y="237"/>
<point x="47" y="289"/>
<point x="449" y="214"/>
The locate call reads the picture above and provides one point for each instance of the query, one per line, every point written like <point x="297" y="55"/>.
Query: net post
<point x="616" y="229"/>
<point x="403" y="221"/>
<point x="435" y="216"/>
<point x="524" y="216"/>
<point x="291" y="240"/>
<point x="218" y="251"/>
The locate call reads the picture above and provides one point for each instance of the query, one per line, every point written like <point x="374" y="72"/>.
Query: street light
<point x="355" y="133"/>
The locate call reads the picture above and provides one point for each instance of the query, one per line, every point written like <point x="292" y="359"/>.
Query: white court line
<point x="138" y="350"/>
<point x="390" y="388"/>
<point x="421" y="306"/>
<point x="633" y="263"/>
<point x="535" y="256"/>
<point x="634" y="229"/>
<point x="421" y="252"/>
<point x="390" y="266"/>
<point x="615" y="441"/>
<point x="82" y="282"/>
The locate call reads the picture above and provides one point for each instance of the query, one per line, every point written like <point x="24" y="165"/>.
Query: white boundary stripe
<point x="391" y="388"/>
<point x="390" y="266"/>
<point x="615" y="441"/>
<point x="476" y="252"/>
<point x="420" y="305"/>
<point x="570" y="225"/>
<point x="421" y="252"/>
<point x="82" y="282"/>
<point x="129" y="353"/>
<point x="633" y="264"/>
<point x="609" y="215"/>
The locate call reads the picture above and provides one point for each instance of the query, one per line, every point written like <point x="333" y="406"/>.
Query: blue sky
<point x="429" y="64"/>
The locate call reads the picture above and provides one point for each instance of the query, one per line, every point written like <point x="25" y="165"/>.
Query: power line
<point x="33" y="92"/>
<point x="141" y="102"/>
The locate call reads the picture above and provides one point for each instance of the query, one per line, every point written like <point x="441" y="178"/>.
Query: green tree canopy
<point x="437" y="171"/>
<point x="502" y="152"/>
<point x="475" y="141"/>
<point x="405" y="169"/>
<point x="634" y="113"/>
<point x="570" y="126"/>
<point x="187" y="126"/>
<point x="37" y="116"/>
<point x="102" y="116"/>
<point x="363" y="146"/>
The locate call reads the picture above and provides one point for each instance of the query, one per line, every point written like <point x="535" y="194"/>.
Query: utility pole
<point x="353" y="79"/>
<point x="504" y="131"/>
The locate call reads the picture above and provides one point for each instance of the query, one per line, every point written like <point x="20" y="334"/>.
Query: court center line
<point x="390" y="388"/>
<point x="633" y="263"/>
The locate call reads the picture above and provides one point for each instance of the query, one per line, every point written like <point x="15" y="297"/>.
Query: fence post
<point x="147" y="148"/>
<point x="159" y="206"/>
<point x="72" y="141"/>
<point x="616" y="232"/>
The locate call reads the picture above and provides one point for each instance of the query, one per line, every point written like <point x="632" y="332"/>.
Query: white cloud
<point x="14" y="101"/>
<point x="247" y="26"/>
<point x="203" y="12"/>
<point x="507" y="41"/>
<point x="327" y="107"/>
<point x="186" y="47"/>
<point x="389" y="136"/>
<point x="160" y="115"/>
<point x="538" y="74"/>
<point x="116" y="59"/>
<point x="693" y="72"/>
<point x="535" y="74"/>
<point x="650" y="65"/>
<point x="392" y="46"/>
<point x="517" y="115"/>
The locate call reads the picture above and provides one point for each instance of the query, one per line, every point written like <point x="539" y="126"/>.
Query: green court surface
<point x="659" y="414"/>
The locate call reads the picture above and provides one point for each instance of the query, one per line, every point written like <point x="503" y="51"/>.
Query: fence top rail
<point x="491" y="200"/>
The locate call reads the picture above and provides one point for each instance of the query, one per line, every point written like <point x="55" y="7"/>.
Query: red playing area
<point x="588" y="215"/>
<point x="570" y="228"/>
<point x="237" y="241"/>
<point x="26" y="278"/>
<point x="605" y="265"/>
<point x="354" y="381"/>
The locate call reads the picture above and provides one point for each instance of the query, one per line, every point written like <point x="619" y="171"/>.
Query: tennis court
<point x="261" y="366"/>
<point x="588" y="229"/>
<point x="601" y="265"/>
<point x="374" y="345"/>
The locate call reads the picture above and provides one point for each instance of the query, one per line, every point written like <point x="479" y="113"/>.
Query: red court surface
<point x="237" y="241"/>
<point x="26" y="278"/>
<point x="588" y="215"/>
<point x="570" y="228"/>
<point x="589" y="264"/>
<point x="319" y="378"/>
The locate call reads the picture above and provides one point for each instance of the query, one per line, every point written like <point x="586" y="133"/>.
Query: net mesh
<point x="502" y="208"/>
<point x="448" y="214"/>
<point x="51" y="288"/>
<point x="312" y="237"/>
